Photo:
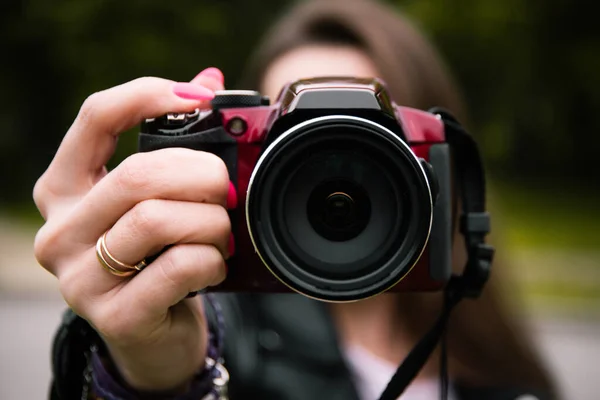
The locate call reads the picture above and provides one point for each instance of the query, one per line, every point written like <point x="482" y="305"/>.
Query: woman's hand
<point x="172" y="196"/>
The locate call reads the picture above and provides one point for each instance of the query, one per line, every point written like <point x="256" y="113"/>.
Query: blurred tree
<point x="529" y="69"/>
<point x="530" y="72"/>
<point x="57" y="53"/>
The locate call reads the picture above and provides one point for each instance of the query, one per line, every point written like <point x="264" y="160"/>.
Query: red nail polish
<point x="192" y="92"/>
<point x="214" y="73"/>
<point x="231" y="196"/>
<point x="231" y="247"/>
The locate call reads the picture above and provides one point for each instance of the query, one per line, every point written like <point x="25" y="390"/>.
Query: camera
<point x="342" y="193"/>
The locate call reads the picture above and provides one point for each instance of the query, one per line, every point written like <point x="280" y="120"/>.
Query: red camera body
<point x="250" y="135"/>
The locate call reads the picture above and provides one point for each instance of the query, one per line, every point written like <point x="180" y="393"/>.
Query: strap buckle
<point x="474" y="226"/>
<point x="475" y="223"/>
<point x="477" y="271"/>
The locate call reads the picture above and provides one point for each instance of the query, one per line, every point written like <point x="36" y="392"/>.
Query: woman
<point x="147" y="343"/>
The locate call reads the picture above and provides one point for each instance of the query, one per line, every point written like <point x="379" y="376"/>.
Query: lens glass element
<point x="339" y="209"/>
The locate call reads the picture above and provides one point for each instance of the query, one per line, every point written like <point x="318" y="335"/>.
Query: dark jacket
<point x="276" y="347"/>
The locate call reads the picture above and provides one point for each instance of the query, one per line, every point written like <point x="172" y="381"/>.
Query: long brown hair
<point x="486" y="344"/>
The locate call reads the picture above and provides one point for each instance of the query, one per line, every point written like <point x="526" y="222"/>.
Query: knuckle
<point x="174" y="266"/>
<point x="212" y="263"/>
<point x="145" y="218"/>
<point x="72" y="291"/>
<point x="145" y="81"/>
<point x="187" y="264"/>
<point x="218" y="272"/>
<point x="217" y="171"/>
<point x="40" y="195"/>
<point x="91" y="112"/>
<point x="222" y="223"/>
<point x="133" y="173"/>
<point x="47" y="246"/>
<point x="41" y="246"/>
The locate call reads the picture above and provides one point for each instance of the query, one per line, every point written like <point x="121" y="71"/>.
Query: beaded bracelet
<point x="210" y="383"/>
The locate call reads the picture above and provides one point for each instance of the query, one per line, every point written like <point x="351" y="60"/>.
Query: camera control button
<point x="238" y="99"/>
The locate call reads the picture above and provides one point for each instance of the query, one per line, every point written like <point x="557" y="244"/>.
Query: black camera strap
<point x="474" y="226"/>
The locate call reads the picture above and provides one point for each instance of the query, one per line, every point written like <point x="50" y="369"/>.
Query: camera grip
<point x="214" y="140"/>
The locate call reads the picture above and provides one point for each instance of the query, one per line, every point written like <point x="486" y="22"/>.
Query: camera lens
<point x="339" y="208"/>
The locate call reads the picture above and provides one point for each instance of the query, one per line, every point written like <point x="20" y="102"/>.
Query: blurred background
<point x="531" y="74"/>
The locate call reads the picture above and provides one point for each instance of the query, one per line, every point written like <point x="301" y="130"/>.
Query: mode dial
<point x="238" y="99"/>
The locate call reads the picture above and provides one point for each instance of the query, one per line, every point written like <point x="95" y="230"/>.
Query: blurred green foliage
<point x="529" y="70"/>
<point x="540" y="217"/>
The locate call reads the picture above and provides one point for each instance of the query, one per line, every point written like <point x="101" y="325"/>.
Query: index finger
<point x="91" y="140"/>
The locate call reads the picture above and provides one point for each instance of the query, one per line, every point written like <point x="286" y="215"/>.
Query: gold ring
<point x="139" y="266"/>
<point x="111" y="264"/>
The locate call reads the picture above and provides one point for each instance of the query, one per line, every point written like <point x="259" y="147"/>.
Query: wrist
<point x="168" y="368"/>
<point x="208" y="381"/>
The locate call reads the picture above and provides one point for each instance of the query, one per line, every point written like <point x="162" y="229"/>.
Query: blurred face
<point x="316" y="60"/>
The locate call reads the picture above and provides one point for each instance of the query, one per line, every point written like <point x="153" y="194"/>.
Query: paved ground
<point x="30" y="309"/>
<point x="572" y="350"/>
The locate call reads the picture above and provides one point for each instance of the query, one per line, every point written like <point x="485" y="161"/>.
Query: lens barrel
<point x="339" y="208"/>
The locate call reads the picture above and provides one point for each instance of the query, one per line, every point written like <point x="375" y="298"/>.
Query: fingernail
<point x="231" y="247"/>
<point x="231" y="196"/>
<point x="214" y="73"/>
<point x="192" y="92"/>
